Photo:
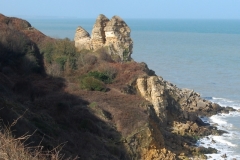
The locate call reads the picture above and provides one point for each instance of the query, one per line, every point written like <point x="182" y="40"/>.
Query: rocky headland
<point x="129" y="112"/>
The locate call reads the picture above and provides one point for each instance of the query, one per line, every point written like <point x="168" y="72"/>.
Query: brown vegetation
<point x="85" y="100"/>
<point x="14" y="148"/>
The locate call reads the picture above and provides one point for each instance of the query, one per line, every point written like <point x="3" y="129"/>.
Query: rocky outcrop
<point x="153" y="90"/>
<point x="178" y="112"/>
<point x="118" y="39"/>
<point x="98" y="33"/>
<point x="167" y="98"/>
<point x="82" y="39"/>
<point x="149" y="143"/>
<point x="113" y="35"/>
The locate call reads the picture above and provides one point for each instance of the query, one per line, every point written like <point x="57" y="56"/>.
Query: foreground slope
<point x="97" y="106"/>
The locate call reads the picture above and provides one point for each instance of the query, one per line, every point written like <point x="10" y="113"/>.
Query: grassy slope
<point x="57" y="109"/>
<point x="53" y="104"/>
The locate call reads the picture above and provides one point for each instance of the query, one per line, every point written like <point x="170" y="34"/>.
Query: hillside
<point x="92" y="104"/>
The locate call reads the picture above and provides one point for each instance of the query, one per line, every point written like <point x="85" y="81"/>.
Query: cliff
<point x="97" y="107"/>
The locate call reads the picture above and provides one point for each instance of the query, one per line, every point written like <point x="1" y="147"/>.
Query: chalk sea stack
<point x="113" y="35"/>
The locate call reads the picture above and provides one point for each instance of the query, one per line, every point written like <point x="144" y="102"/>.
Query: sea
<point x="203" y="55"/>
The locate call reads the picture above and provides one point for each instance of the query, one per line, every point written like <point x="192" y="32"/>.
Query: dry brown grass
<point x="14" y="148"/>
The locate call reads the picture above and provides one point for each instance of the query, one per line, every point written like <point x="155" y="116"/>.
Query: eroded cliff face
<point x="153" y="90"/>
<point x="149" y="143"/>
<point x="174" y="116"/>
<point x="168" y="99"/>
<point x="98" y="34"/>
<point x="114" y="35"/>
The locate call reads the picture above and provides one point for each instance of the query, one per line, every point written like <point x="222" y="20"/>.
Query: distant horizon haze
<point x="161" y="9"/>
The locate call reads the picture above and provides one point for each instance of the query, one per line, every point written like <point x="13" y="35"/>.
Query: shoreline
<point x="225" y="148"/>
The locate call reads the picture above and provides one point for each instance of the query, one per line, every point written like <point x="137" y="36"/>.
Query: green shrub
<point x="54" y="70"/>
<point x="61" y="61"/>
<point x="65" y="47"/>
<point x="92" y="84"/>
<point x="126" y="55"/>
<point x="90" y="59"/>
<point x="72" y="62"/>
<point x="48" y="51"/>
<point x="100" y="76"/>
<point x="62" y="52"/>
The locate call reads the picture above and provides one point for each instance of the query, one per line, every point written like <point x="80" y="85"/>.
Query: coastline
<point x="171" y="124"/>
<point x="225" y="144"/>
<point x="136" y="50"/>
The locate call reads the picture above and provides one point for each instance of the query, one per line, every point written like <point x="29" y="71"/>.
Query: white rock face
<point x="152" y="89"/>
<point x="114" y="35"/>
<point x="167" y="98"/>
<point x="82" y="39"/>
<point x="98" y="34"/>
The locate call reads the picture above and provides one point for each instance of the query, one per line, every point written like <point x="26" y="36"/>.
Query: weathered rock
<point x="169" y="100"/>
<point x="82" y="39"/>
<point x="118" y="38"/>
<point x="114" y="35"/>
<point x="194" y="127"/>
<point x="230" y="108"/>
<point x="153" y="90"/>
<point x="98" y="34"/>
<point x="181" y="109"/>
<point x="149" y="144"/>
<point x="224" y="156"/>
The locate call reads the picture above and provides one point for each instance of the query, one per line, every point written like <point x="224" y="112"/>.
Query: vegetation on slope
<point x="50" y="88"/>
<point x="14" y="148"/>
<point x="85" y="100"/>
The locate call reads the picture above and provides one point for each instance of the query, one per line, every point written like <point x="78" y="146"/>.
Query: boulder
<point x="194" y="127"/>
<point x="201" y="104"/>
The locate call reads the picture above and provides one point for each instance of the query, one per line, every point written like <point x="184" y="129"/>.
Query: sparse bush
<point x="30" y="64"/>
<point x="90" y="59"/>
<point x="61" y="61"/>
<point x="72" y="63"/>
<point x="92" y="84"/>
<point x="62" y="52"/>
<point x="54" y="70"/>
<point x="65" y="47"/>
<point x="93" y="104"/>
<point x="103" y="55"/>
<point x="48" y="51"/>
<point x="126" y="55"/>
<point x="100" y="76"/>
<point x="16" y="49"/>
<point x="108" y="70"/>
<point x="14" y="148"/>
<point x="15" y="43"/>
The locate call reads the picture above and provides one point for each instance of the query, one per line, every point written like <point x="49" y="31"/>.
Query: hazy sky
<point x="174" y="9"/>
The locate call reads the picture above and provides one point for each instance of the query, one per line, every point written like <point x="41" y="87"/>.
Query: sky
<point x="155" y="9"/>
